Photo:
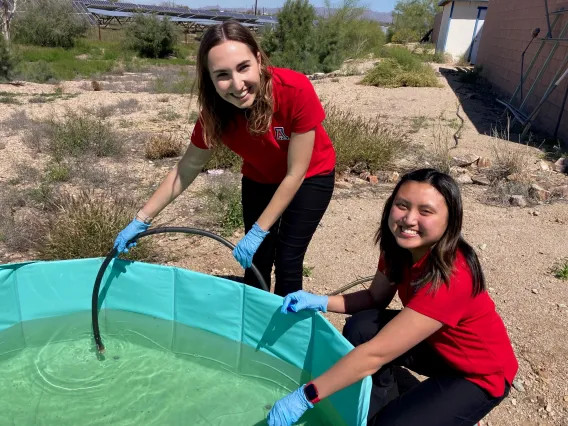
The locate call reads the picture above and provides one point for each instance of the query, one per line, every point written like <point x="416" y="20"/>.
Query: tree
<point x="6" y="62"/>
<point x="151" y="36"/>
<point x="412" y="19"/>
<point x="7" y="12"/>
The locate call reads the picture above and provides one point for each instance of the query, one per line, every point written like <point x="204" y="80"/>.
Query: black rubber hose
<point x="350" y="285"/>
<point x="112" y="254"/>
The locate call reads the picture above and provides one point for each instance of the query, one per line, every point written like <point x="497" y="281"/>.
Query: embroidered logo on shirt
<point x="280" y="135"/>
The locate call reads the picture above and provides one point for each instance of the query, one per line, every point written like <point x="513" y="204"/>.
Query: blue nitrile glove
<point x="248" y="245"/>
<point x="132" y="229"/>
<point x="301" y="299"/>
<point x="288" y="410"/>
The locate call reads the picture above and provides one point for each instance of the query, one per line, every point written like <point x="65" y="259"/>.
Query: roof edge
<point x="445" y="2"/>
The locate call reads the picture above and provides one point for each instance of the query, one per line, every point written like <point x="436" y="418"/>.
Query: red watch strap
<point x="317" y="398"/>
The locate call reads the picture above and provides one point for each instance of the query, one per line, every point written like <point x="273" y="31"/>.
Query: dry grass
<point x="439" y="157"/>
<point x="508" y="158"/>
<point x="365" y="143"/>
<point x="86" y="225"/>
<point x="163" y="146"/>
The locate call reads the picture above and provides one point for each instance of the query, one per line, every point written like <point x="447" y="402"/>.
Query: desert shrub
<point x="362" y="141"/>
<point x="224" y="158"/>
<point x="151" y="37"/>
<point x="400" y="68"/>
<point x="76" y="134"/>
<point x="508" y="157"/>
<point x="86" y="225"/>
<point x="163" y="146"/>
<point x="224" y="202"/>
<point x="49" y="23"/>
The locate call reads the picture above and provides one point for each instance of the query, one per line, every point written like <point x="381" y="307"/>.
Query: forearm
<point x="280" y="200"/>
<point x="351" y="303"/>
<point x="356" y="365"/>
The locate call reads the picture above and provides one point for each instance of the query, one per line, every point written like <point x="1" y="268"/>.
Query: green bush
<point x="339" y="34"/>
<point x="359" y="141"/>
<point x="151" y="37"/>
<point x="6" y="61"/>
<point x="400" y="68"/>
<point x="412" y="19"/>
<point x="49" y="23"/>
<point x="224" y="201"/>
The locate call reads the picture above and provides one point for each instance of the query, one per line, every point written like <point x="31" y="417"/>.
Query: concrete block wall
<point x="506" y="33"/>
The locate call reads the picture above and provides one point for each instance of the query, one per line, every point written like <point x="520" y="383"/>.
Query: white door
<point x="477" y="34"/>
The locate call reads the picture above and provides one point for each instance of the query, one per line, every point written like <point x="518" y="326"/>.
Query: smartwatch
<point x="311" y="393"/>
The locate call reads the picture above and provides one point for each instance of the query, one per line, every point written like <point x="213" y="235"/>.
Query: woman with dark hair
<point x="272" y="118"/>
<point x="447" y="330"/>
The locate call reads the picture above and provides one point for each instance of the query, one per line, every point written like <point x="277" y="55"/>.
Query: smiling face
<point x="235" y="72"/>
<point x="418" y="217"/>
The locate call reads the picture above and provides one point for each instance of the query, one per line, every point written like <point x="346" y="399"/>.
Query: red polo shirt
<point x="298" y="109"/>
<point x="473" y="339"/>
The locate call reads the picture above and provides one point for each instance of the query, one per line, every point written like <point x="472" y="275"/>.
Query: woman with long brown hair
<point x="272" y="118"/>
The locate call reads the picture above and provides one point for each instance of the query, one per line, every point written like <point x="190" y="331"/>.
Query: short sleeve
<point x="449" y="303"/>
<point x="308" y="111"/>
<point x="197" y="136"/>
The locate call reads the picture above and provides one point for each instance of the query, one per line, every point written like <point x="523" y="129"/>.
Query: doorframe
<point x="479" y="9"/>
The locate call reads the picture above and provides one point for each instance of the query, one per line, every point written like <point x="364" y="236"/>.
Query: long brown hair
<point x="216" y="113"/>
<point x="440" y="262"/>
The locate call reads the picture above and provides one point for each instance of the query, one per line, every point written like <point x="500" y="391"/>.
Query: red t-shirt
<point x="298" y="109"/>
<point x="473" y="339"/>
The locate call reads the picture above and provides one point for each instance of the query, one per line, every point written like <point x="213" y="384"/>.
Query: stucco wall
<point x="506" y="33"/>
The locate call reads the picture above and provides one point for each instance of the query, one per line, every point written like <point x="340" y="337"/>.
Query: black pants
<point x="444" y="399"/>
<point x="286" y="244"/>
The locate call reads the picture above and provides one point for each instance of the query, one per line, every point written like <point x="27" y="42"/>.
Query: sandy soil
<point x="517" y="246"/>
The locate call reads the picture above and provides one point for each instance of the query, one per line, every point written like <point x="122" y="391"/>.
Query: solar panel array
<point x="176" y="14"/>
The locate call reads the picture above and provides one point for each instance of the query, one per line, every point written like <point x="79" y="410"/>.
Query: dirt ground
<point x="517" y="246"/>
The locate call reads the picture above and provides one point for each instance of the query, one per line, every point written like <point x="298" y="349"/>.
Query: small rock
<point x="535" y="291"/>
<point x="535" y="213"/>
<point x="549" y="408"/>
<point x="518" y="385"/>
<point x="466" y="160"/>
<point x="566" y="398"/>
<point x="343" y="185"/>
<point x="373" y="180"/>
<point x="543" y="165"/>
<point x="349" y="218"/>
<point x="539" y="193"/>
<point x="562" y="306"/>
<point x="483" y="163"/>
<point x="464" y="179"/>
<point x="517" y="177"/>
<point x="364" y="175"/>
<point x="215" y="172"/>
<point x="386" y="176"/>
<point x="482" y="246"/>
<point x="561" y="165"/>
<point x="457" y="171"/>
<point x="359" y="167"/>
<point x="517" y="200"/>
<point x="2" y="145"/>
<point x="491" y="289"/>
<point x="480" y="180"/>
<point x="513" y="401"/>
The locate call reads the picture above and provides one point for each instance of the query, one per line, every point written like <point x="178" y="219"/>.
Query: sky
<point x="376" y="5"/>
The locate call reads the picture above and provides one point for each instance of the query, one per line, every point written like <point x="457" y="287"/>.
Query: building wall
<point x="437" y="25"/>
<point x="461" y="28"/>
<point x="440" y="45"/>
<point x="507" y="31"/>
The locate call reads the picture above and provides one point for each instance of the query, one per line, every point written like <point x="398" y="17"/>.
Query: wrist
<point x="323" y="303"/>
<point x="257" y="229"/>
<point x="143" y="217"/>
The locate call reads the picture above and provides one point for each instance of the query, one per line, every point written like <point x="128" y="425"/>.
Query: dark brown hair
<point x="440" y="262"/>
<point x="216" y="113"/>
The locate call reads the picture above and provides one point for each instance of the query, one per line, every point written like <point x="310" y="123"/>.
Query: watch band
<point x="145" y="219"/>
<point x="311" y="393"/>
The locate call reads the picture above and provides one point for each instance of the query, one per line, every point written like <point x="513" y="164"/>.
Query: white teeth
<point x="409" y="231"/>
<point x="241" y="95"/>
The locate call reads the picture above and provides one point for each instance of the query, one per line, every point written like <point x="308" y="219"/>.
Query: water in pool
<point x="143" y="378"/>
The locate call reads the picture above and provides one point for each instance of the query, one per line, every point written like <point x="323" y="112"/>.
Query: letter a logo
<point x="279" y="134"/>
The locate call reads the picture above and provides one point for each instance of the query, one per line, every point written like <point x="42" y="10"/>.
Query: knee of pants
<point x="361" y="327"/>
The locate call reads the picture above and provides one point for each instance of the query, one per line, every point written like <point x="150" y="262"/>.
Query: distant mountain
<point x="384" y="17"/>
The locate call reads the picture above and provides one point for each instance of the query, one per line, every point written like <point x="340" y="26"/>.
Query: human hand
<point x="288" y="410"/>
<point x="300" y="300"/>
<point x="248" y="245"/>
<point x="132" y="229"/>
